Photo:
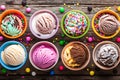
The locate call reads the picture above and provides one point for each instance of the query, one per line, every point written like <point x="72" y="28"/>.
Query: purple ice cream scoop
<point x="44" y="56"/>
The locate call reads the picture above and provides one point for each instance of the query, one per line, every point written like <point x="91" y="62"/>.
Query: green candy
<point x="3" y="70"/>
<point x="62" y="42"/>
<point x="61" y="9"/>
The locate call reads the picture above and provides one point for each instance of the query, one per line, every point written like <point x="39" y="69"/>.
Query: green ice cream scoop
<point x="10" y="25"/>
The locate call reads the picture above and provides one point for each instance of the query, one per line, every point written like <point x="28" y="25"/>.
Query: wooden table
<point x="54" y="5"/>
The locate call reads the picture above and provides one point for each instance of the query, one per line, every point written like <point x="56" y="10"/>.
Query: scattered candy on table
<point x="89" y="8"/>
<point x="27" y="70"/>
<point x="90" y="39"/>
<point x="2" y="7"/>
<point x="92" y="73"/>
<point x="61" y="9"/>
<point x="1" y="38"/>
<point x="23" y="2"/>
<point x="118" y="8"/>
<point x="33" y="73"/>
<point x="118" y="39"/>
<point x="28" y="10"/>
<point x="28" y="38"/>
<point x="3" y="70"/>
<point x="52" y="73"/>
<point x="61" y="68"/>
<point x="62" y="42"/>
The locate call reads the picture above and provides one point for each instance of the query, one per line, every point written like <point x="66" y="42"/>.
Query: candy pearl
<point x="24" y="3"/>
<point x="118" y="8"/>
<point x="33" y="73"/>
<point x="90" y="39"/>
<point x="61" y="68"/>
<point x="52" y="72"/>
<point x="4" y="70"/>
<point x="27" y="70"/>
<point x="61" y="9"/>
<point x="89" y="9"/>
<point x="28" y="38"/>
<point x="62" y="42"/>
<point x="28" y="10"/>
<point x="92" y="73"/>
<point x="118" y="39"/>
<point x="2" y="7"/>
<point x="1" y="38"/>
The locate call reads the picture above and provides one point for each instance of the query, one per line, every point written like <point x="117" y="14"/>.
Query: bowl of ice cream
<point x="44" y="24"/>
<point x="13" y="23"/>
<point x="75" y="55"/>
<point x="75" y="24"/>
<point x="106" y="55"/>
<point x="106" y="24"/>
<point x="13" y="55"/>
<point x="43" y="55"/>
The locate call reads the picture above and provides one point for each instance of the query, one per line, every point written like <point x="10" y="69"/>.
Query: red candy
<point x="118" y="39"/>
<point x="61" y="68"/>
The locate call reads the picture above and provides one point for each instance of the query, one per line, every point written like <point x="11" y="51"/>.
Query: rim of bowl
<point x="105" y="11"/>
<point x="94" y="58"/>
<point x="76" y="37"/>
<point x="85" y="64"/>
<point x="43" y="42"/>
<point x="11" y="11"/>
<point x="40" y="11"/>
<point x="3" y="46"/>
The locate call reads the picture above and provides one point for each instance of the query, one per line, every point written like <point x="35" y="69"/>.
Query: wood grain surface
<point x="54" y="5"/>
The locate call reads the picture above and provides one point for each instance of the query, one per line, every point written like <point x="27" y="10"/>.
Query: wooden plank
<point x="60" y="2"/>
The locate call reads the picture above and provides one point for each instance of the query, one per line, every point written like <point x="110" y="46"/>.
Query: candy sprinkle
<point x="27" y="70"/>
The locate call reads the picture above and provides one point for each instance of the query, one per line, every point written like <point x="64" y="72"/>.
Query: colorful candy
<point x="28" y="10"/>
<point x="61" y="9"/>
<point x="75" y="23"/>
<point x="61" y="68"/>
<point x="118" y="39"/>
<point x="2" y="7"/>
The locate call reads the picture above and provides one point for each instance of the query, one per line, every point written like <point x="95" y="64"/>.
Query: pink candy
<point x="2" y="7"/>
<point x="28" y="10"/>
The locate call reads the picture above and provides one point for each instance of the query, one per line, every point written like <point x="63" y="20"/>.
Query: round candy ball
<point x="2" y="7"/>
<point x="61" y="9"/>
<point x="28" y="38"/>
<point x="89" y="8"/>
<point x="61" y="68"/>
<point x="27" y="70"/>
<point x="90" y="39"/>
<point x="62" y="42"/>
<point x="118" y="8"/>
<point x="92" y="73"/>
<point x="1" y="38"/>
<point x="28" y="10"/>
<point x="118" y="39"/>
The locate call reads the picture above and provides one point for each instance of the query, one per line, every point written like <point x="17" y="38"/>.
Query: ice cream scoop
<point x="13" y="55"/>
<point x="44" y="56"/>
<point x="45" y="23"/>
<point x="12" y="25"/>
<point x="107" y="55"/>
<point x="75" y="55"/>
<point x="75" y="23"/>
<point x="108" y="24"/>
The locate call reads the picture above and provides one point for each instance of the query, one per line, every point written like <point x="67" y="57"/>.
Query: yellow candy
<point x="118" y="8"/>
<point x="92" y="73"/>
<point x="27" y="70"/>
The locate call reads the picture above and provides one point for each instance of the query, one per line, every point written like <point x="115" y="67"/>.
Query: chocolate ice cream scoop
<point x="107" y="55"/>
<point x="75" y="55"/>
<point x="108" y="24"/>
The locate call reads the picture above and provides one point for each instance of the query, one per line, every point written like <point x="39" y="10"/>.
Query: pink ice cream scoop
<point x="44" y="56"/>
